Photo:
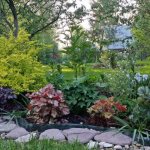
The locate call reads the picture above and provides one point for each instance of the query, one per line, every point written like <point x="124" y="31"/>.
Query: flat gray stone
<point x="79" y="131"/>
<point x="113" y="137"/>
<point x="52" y="134"/>
<point x="16" y="133"/>
<point x="79" y="134"/>
<point x="82" y="138"/>
<point x="26" y="138"/>
<point x="7" y="127"/>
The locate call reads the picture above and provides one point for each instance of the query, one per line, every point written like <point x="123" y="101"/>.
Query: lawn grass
<point x="40" y="145"/>
<point x="141" y="66"/>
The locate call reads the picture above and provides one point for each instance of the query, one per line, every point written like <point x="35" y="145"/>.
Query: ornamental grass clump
<point x="46" y="105"/>
<point x="106" y="108"/>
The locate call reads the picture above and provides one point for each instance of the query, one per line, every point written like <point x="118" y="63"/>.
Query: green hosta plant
<point x="81" y="94"/>
<point x="144" y="92"/>
<point x="46" y="105"/>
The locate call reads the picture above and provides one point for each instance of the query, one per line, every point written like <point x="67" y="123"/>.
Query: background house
<point x="122" y="37"/>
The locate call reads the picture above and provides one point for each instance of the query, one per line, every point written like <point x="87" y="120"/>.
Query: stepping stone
<point x="79" y="134"/>
<point x="52" y="134"/>
<point x="113" y="137"/>
<point x="26" y="138"/>
<point x="16" y="133"/>
<point x="7" y="127"/>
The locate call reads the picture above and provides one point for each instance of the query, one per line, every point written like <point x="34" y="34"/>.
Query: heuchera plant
<point x="7" y="97"/>
<point x="6" y="94"/>
<point x="46" y="105"/>
<point x="106" y="108"/>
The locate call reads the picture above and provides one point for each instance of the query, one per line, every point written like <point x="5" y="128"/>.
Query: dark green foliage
<point x="81" y="94"/>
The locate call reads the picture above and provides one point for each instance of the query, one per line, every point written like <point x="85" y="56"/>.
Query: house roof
<point x="122" y="36"/>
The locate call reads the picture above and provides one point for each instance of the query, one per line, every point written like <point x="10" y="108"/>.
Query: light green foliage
<point x="41" y="145"/>
<point x="141" y="28"/>
<point x="120" y="84"/>
<point x="19" y="68"/>
<point x="80" y="52"/>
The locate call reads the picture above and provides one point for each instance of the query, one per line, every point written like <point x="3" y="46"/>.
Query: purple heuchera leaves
<point x="46" y="105"/>
<point x="6" y="94"/>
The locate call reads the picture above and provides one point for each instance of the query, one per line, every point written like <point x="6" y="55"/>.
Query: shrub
<point x="19" y="67"/>
<point x="46" y="105"/>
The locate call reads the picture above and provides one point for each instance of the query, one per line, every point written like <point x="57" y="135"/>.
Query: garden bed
<point x="42" y="127"/>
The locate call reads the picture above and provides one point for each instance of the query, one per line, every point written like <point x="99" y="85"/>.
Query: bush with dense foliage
<point x="46" y="105"/>
<point x="19" y="67"/>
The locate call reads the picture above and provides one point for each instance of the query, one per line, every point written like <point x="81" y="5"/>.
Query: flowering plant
<point x="46" y="105"/>
<point x="106" y="108"/>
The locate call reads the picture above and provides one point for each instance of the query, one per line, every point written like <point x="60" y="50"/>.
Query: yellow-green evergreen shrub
<point x="19" y="68"/>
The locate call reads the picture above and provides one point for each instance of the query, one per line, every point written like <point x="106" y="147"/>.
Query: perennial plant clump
<point x="8" y="100"/>
<point x="46" y="105"/>
<point x="106" y="108"/>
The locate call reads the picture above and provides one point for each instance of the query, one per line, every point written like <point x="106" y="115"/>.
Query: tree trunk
<point x="14" y="13"/>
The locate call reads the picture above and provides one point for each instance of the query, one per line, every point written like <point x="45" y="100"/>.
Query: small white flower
<point x="138" y="77"/>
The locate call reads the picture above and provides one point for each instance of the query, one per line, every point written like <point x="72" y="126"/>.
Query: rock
<point x="82" y="138"/>
<point x="146" y="147"/>
<point x="2" y="136"/>
<point x="79" y="131"/>
<point x="79" y="134"/>
<point x="26" y="138"/>
<point x="113" y="137"/>
<point x="7" y="127"/>
<point x="126" y="147"/>
<point x="52" y="134"/>
<point x="16" y="133"/>
<point x="101" y="144"/>
<point x="107" y="145"/>
<point x="117" y="147"/>
<point x="92" y="144"/>
<point x="138" y="145"/>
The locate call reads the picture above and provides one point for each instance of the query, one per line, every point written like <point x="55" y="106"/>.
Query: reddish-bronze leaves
<point x="106" y="108"/>
<point x="46" y="105"/>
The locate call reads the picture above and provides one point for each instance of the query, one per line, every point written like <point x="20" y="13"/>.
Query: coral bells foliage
<point x="106" y="108"/>
<point x="46" y="105"/>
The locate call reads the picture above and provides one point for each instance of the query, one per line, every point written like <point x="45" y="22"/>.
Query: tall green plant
<point x="80" y="51"/>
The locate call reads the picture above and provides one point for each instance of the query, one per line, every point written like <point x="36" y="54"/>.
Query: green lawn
<point x="40" y="145"/>
<point x="142" y="66"/>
